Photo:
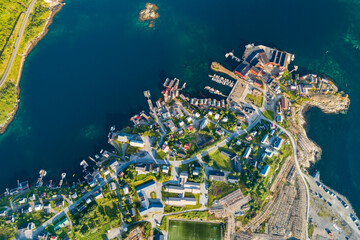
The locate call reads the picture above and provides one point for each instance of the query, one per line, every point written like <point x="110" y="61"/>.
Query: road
<point x="294" y="146"/>
<point x="17" y="42"/>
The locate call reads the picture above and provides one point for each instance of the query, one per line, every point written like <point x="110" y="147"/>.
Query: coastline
<point x="328" y="104"/>
<point x="30" y="45"/>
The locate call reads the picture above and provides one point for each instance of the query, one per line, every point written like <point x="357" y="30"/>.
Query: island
<point x="219" y="167"/>
<point x="149" y="14"/>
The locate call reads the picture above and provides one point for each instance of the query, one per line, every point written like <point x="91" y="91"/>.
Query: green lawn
<point x="160" y="154"/>
<point x="218" y="190"/>
<point x="269" y="115"/>
<point x="256" y="100"/>
<point x="220" y="161"/>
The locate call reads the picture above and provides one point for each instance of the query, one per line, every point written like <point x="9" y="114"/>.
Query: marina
<point x="214" y="91"/>
<point x="222" y="80"/>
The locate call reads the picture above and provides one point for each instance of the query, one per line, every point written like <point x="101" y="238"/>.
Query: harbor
<point x="221" y="80"/>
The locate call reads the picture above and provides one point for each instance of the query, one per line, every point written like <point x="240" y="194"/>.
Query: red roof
<point x="187" y="146"/>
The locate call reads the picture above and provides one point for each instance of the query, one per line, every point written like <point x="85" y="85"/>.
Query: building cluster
<point x="261" y="64"/>
<point x="133" y="139"/>
<point x="147" y="204"/>
<point x="208" y="102"/>
<point x="182" y="188"/>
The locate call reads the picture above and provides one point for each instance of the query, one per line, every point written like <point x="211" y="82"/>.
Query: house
<point x="265" y="139"/>
<point x="181" y="155"/>
<point x="247" y="152"/>
<point x="225" y="119"/>
<point x="112" y="186"/>
<point x="88" y="200"/>
<point x="187" y="146"/>
<point x="126" y="189"/>
<point x="132" y="212"/>
<point x="196" y="171"/>
<point x="203" y="124"/>
<point x="216" y="176"/>
<point x="27" y="209"/>
<point x="232" y="180"/>
<point x="265" y="171"/>
<point x="170" y="124"/>
<point x="59" y="203"/>
<point x="38" y="207"/>
<point x="98" y="195"/>
<point x="74" y="195"/>
<point x="61" y="224"/>
<point x="189" y="128"/>
<point x="278" y="143"/>
<point x="248" y="138"/>
<point x="23" y="200"/>
<point x="217" y="116"/>
<point x="123" y="137"/>
<point x="272" y="125"/>
<point x="165" y="148"/>
<point x="220" y="131"/>
<point x="197" y="115"/>
<point x="114" y="164"/>
<point x="272" y="132"/>
<point x="143" y="168"/>
<point x="189" y="119"/>
<point x="165" y="169"/>
<point x="284" y="104"/>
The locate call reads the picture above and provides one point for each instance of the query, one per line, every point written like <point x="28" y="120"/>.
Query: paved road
<point x="17" y="42"/>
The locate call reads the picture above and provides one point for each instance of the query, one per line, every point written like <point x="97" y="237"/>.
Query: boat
<point x="63" y="175"/>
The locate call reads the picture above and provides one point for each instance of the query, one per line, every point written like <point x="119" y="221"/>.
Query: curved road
<point x="17" y="42"/>
<point x="299" y="171"/>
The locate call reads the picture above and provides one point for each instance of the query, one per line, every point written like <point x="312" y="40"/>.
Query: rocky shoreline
<point x="328" y="104"/>
<point x="55" y="8"/>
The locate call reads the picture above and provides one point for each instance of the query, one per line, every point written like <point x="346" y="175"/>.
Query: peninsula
<point x="229" y="167"/>
<point x="23" y="25"/>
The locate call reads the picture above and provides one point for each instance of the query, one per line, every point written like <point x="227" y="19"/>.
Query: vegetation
<point x="219" y="161"/>
<point x="36" y="23"/>
<point x="269" y="115"/>
<point x="219" y="190"/>
<point x="256" y="100"/>
<point x="98" y="217"/>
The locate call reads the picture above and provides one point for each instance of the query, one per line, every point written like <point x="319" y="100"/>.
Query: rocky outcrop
<point x="149" y="14"/>
<point x="308" y="151"/>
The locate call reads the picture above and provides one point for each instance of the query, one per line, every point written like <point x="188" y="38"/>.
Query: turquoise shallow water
<point x="89" y="71"/>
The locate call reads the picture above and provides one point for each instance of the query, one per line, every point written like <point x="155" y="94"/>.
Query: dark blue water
<point x="89" y="71"/>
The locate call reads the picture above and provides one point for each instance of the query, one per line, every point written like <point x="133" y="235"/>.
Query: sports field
<point x="186" y="230"/>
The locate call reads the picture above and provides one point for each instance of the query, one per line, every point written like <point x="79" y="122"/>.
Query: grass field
<point x="220" y="161"/>
<point x="186" y="230"/>
<point x="257" y="100"/>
